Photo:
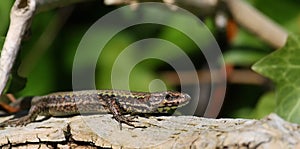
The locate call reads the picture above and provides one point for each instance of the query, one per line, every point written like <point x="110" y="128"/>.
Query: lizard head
<point x="155" y="102"/>
<point x="169" y="100"/>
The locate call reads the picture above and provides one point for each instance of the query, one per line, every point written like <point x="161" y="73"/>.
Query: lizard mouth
<point x="186" y="100"/>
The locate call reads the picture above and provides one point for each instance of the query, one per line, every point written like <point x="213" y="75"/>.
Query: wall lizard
<point x="116" y="102"/>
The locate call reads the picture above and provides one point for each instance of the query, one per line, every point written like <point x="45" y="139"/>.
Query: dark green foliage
<point x="283" y="67"/>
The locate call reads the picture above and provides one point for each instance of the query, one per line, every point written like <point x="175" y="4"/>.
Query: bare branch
<point x="21" y="16"/>
<point x="257" y="23"/>
<point x="20" y="19"/>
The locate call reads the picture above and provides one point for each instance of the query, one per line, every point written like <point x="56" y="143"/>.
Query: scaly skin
<point x="116" y="102"/>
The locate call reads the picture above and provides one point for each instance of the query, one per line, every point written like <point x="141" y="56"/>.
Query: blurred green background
<point x="46" y="58"/>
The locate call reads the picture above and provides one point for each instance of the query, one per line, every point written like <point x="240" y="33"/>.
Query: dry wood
<point x="162" y="132"/>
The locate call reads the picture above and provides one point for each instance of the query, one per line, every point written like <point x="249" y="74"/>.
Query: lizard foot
<point x="126" y="120"/>
<point x="23" y="121"/>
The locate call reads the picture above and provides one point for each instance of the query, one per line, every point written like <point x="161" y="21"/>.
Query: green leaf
<point x="265" y="105"/>
<point x="283" y="67"/>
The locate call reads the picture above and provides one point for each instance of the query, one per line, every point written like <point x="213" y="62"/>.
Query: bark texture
<point x="96" y="131"/>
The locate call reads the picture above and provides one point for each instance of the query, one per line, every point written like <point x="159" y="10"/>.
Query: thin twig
<point x="257" y="23"/>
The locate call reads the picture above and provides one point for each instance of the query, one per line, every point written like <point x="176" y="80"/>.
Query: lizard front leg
<point x="114" y="108"/>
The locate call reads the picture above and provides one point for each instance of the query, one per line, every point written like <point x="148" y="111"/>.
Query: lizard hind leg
<point x="34" y="111"/>
<point x="23" y="121"/>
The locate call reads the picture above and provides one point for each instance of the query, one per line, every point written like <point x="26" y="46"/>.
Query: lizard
<point x="116" y="102"/>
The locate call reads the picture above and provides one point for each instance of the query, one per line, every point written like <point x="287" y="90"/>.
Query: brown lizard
<point x="116" y="102"/>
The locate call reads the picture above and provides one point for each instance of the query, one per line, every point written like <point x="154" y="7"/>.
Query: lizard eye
<point x="167" y="96"/>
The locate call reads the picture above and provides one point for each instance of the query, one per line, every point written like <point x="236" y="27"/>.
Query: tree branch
<point x="101" y="131"/>
<point x="20" y="19"/>
<point x="257" y="23"/>
<point x="21" y="16"/>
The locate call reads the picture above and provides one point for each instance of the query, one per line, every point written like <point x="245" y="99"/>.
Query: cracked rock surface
<point x="96" y="131"/>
